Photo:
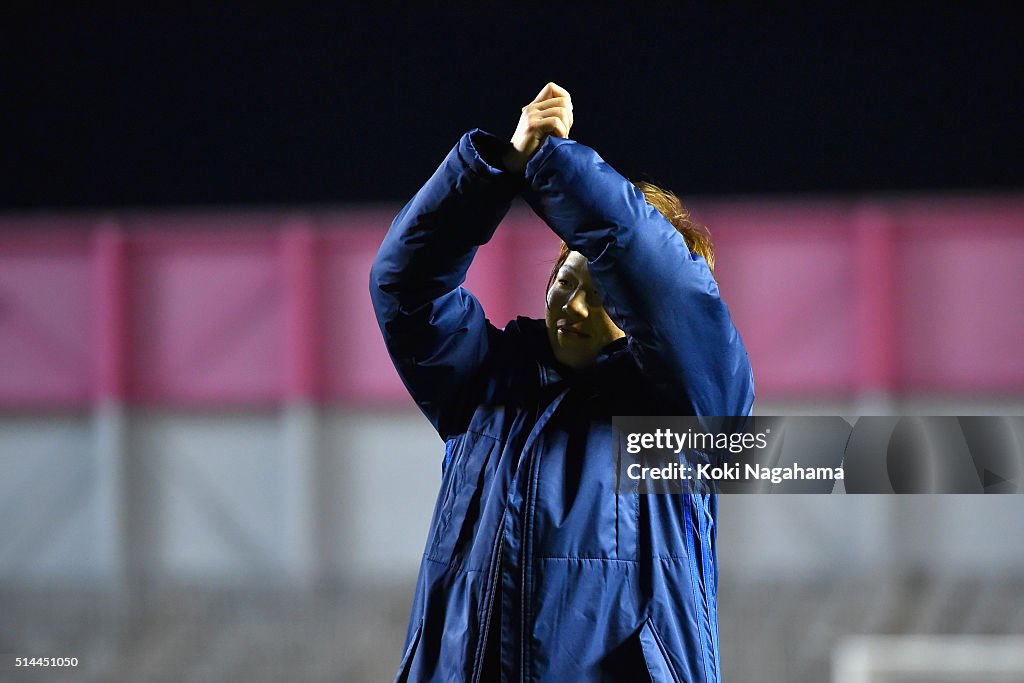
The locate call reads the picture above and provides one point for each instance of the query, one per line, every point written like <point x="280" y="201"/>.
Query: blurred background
<point x="209" y="469"/>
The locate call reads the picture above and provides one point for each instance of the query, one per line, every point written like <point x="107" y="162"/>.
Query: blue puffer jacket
<point x="534" y="566"/>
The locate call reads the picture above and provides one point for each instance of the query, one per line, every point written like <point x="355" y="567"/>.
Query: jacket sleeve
<point x="657" y="291"/>
<point x="434" y="329"/>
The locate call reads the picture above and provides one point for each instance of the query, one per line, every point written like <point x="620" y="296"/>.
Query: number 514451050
<point x="45" y="661"/>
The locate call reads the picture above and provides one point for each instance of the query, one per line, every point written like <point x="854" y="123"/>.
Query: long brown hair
<point x="698" y="239"/>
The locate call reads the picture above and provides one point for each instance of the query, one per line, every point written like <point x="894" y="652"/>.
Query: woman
<point x="535" y="568"/>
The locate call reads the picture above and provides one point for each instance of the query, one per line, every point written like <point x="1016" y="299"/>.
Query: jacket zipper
<point x="527" y="563"/>
<point x="545" y="414"/>
<point x="527" y="538"/>
<point x="526" y="545"/>
<point x="481" y="653"/>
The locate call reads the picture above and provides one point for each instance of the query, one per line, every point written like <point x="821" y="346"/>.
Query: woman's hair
<point x="698" y="240"/>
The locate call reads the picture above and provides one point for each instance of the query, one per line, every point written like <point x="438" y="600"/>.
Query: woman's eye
<point x="562" y="281"/>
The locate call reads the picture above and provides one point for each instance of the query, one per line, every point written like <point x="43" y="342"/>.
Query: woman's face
<point x="578" y="326"/>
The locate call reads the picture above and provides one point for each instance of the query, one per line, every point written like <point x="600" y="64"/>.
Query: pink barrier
<point x="239" y="309"/>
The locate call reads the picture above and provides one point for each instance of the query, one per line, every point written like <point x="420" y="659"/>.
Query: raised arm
<point x="660" y="294"/>
<point x="434" y="329"/>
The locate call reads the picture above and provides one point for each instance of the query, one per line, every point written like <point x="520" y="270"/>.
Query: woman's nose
<point x="577" y="303"/>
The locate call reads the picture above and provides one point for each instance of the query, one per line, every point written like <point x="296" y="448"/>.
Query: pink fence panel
<point x="532" y="250"/>
<point x="206" y="311"/>
<point x="46" y="315"/>
<point x="235" y="309"/>
<point x="961" y="296"/>
<point x="788" y="273"/>
<point x="356" y="366"/>
<point x="509" y="273"/>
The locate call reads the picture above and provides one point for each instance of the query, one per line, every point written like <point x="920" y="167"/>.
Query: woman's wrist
<point x="514" y="161"/>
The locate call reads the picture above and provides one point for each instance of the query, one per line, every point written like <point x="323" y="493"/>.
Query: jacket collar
<point x="551" y="371"/>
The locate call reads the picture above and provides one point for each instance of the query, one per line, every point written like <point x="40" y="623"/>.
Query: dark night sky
<point x="134" y="106"/>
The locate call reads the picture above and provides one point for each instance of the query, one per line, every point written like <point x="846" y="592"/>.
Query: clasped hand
<point x="550" y="113"/>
